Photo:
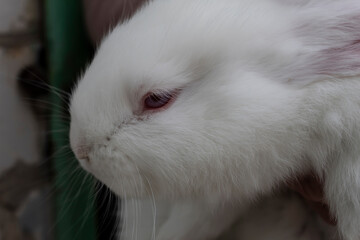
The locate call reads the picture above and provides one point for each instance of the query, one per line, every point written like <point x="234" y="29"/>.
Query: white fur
<point x="269" y="89"/>
<point x="284" y="217"/>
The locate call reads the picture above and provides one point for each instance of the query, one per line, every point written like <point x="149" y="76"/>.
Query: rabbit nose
<point x="82" y="153"/>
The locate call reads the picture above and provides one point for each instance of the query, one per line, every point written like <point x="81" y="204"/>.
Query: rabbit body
<point x="280" y="217"/>
<point x="259" y="92"/>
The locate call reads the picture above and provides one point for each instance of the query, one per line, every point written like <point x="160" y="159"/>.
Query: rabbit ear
<point x="341" y="57"/>
<point x="331" y="36"/>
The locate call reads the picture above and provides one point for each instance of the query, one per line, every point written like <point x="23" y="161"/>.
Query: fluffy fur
<point x="281" y="217"/>
<point x="268" y="89"/>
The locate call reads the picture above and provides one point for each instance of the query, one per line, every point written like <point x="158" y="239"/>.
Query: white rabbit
<point x="220" y="101"/>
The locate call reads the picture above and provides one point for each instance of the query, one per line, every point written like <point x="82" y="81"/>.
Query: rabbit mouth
<point x="115" y="170"/>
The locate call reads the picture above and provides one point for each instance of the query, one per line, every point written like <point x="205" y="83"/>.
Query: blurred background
<point x="44" y="46"/>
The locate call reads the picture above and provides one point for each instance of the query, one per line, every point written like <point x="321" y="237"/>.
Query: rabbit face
<point x="193" y="98"/>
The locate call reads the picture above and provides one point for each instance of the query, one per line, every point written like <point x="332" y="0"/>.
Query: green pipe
<point x="69" y="49"/>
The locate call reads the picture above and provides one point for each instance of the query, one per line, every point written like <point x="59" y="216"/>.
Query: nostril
<point x="82" y="152"/>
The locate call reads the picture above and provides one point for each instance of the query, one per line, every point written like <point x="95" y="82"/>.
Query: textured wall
<point x="24" y="209"/>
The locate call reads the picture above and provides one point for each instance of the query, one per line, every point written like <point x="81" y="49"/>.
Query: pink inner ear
<point x="333" y="34"/>
<point x="343" y="32"/>
<point x="340" y="60"/>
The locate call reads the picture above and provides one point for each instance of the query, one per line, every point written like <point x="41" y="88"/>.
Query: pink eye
<point x="157" y="100"/>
